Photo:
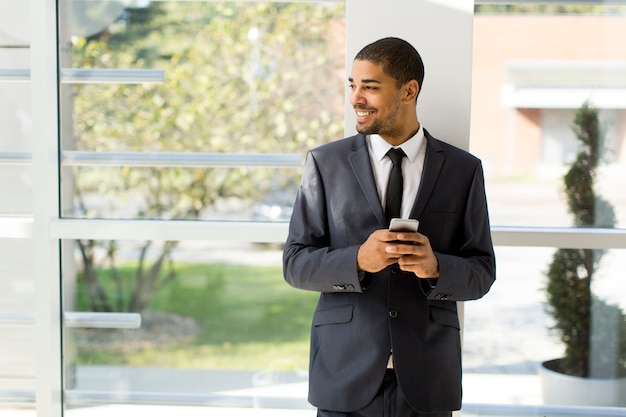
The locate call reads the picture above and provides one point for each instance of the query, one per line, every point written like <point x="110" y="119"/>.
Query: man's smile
<point x="363" y="114"/>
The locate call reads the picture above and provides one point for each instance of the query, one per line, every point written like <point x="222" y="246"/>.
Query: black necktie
<point x="394" y="188"/>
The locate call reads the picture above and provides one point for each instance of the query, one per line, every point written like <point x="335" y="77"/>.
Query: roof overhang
<point x="565" y="84"/>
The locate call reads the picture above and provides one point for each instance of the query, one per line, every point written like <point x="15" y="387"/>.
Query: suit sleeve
<point x="468" y="271"/>
<point x="309" y="261"/>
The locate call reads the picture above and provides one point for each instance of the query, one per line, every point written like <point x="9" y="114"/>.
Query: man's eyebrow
<point x="366" y="80"/>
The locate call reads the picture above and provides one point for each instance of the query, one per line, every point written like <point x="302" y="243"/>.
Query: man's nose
<point x="356" y="97"/>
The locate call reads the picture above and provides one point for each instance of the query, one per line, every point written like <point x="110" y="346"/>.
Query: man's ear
<point x="411" y="89"/>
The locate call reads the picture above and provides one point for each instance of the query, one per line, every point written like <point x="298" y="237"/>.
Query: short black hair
<point x="398" y="58"/>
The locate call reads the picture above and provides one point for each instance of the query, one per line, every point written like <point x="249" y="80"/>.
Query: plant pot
<point x="561" y="389"/>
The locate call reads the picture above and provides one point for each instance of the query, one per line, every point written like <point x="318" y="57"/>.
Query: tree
<point x="593" y="332"/>
<point x="252" y="77"/>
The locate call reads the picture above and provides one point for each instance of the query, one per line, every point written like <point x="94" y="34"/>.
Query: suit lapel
<point x="433" y="162"/>
<point x="360" y="163"/>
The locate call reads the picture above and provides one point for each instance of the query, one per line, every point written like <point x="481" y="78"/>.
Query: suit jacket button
<point x="338" y="287"/>
<point x="349" y="287"/>
<point x="393" y="314"/>
<point x="395" y="269"/>
<point x="442" y="297"/>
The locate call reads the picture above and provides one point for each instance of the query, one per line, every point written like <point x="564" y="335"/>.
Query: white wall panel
<point x="441" y="30"/>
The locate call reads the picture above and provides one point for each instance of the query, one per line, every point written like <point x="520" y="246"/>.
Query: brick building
<point x="530" y="74"/>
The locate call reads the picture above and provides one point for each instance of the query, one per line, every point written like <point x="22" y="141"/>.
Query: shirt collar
<point x="411" y="147"/>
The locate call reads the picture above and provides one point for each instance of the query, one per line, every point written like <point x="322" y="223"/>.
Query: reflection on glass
<point x="527" y="90"/>
<point x="212" y="320"/>
<point x="17" y="291"/>
<point x="18" y="341"/>
<point x="15" y="115"/>
<point x="16" y="187"/>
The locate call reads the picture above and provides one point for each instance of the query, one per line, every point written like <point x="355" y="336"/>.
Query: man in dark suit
<point x="385" y="338"/>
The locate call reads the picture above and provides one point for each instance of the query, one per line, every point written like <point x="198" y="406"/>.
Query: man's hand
<point x="411" y="250"/>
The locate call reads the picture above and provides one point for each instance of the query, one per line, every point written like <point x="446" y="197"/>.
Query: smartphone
<point x="403" y="225"/>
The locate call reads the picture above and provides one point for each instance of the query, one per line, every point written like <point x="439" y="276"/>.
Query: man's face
<point x="376" y="100"/>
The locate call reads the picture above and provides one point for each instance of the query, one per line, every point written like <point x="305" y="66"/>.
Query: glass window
<point x="212" y="322"/>
<point x="534" y="66"/>
<point x="511" y="332"/>
<point x="16" y="186"/>
<point x="549" y="123"/>
<point x="17" y="340"/>
<point x="232" y="79"/>
<point x="15" y="110"/>
<point x="210" y="193"/>
<point x="203" y="111"/>
<point x="195" y="111"/>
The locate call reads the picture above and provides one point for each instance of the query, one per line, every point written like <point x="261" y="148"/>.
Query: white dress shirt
<point x="412" y="166"/>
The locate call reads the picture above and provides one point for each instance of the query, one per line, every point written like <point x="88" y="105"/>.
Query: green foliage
<point x="254" y="78"/>
<point x="238" y="303"/>
<point x="240" y="77"/>
<point x="225" y="91"/>
<point x="249" y="318"/>
<point x="118" y="289"/>
<point x="594" y="332"/>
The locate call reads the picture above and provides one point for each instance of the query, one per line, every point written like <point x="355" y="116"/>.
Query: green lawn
<point x="249" y="319"/>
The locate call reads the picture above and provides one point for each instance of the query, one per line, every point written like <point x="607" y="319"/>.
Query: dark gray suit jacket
<point x="358" y="322"/>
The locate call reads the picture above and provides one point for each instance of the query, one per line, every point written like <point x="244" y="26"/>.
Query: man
<point x="385" y="339"/>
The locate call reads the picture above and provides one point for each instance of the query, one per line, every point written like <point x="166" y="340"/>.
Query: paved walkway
<point x="485" y="395"/>
<point x="479" y="390"/>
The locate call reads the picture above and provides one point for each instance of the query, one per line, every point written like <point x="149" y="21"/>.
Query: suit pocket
<point x="445" y="313"/>
<point x="335" y="315"/>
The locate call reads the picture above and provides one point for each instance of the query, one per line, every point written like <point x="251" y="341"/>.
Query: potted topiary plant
<point x="593" y="331"/>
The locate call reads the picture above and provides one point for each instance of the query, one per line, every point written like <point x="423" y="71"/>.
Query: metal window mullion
<point x="556" y="237"/>
<point x="46" y="269"/>
<point x="99" y="320"/>
<point x="91" y="76"/>
<point x="11" y="75"/>
<point x="16" y="158"/>
<point x="229" y="231"/>
<point x="174" y="230"/>
<point x="161" y="159"/>
<point x="111" y="76"/>
<point x="16" y="319"/>
<point x="179" y="159"/>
